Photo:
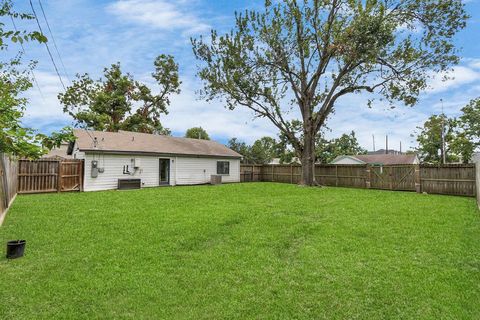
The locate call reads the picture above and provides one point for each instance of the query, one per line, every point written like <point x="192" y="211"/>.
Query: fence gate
<point x="50" y="176"/>
<point x="396" y="177"/>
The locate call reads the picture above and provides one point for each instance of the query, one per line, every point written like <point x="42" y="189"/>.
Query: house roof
<point x="59" y="152"/>
<point x="387" y="159"/>
<point x="135" y="142"/>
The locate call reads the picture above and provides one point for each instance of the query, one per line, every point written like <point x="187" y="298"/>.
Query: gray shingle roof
<point x="135" y="142"/>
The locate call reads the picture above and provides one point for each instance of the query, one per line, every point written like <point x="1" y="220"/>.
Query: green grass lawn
<point x="240" y="251"/>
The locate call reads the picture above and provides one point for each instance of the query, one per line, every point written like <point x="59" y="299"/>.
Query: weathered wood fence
<point x="8" y="183"/>
<point x="453" y="179"/>
<point x="50" y="176"/>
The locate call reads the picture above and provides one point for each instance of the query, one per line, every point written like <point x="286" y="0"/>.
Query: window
<point x="223" y="167"/>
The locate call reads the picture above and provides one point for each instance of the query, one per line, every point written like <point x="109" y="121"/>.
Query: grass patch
<point x="257" y="250"/>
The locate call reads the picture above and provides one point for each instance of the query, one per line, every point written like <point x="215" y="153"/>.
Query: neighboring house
<point x="295" y="160"/>
<point x="378" y="159"/>
<point x="154" y="159"/>
<point x="59" y="153"/>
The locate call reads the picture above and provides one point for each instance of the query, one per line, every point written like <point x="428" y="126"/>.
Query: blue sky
<point x="93" y="34"/>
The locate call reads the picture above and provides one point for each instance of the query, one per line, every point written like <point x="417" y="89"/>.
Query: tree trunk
<point x="308" y="159"/>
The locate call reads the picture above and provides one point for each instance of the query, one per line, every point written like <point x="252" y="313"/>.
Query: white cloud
<point x="460" y="75"/>
<point x="187" y="111"/>
<point x="474" y="63"/>
<point x="159" y="14"/>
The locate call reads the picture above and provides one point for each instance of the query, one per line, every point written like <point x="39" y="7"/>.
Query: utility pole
<point x="386" y="144"/>
<point x="400" y="147"/>
<point x="373" y="137"/>
<point x="443" y="135"/>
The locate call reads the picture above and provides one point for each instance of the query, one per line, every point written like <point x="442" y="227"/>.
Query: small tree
<point x="241" y="148"/>
<point x="470" y="121"/>
<point x="455" y="144"/>
<point x="107" y="104"/>
<point x="306" y="55"/>
<point x="264" y="150"/>
<point x="197" y="133"/>
<point x="346" y="144"/>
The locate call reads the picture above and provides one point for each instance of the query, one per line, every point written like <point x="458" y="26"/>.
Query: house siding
<point x="199" y="170"/>
<point x="183" y="170"/>
<point x="347" y="160"/>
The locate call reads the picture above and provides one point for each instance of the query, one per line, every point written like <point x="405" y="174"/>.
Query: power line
<point x="46" y="45"/>
<point x="53" y="39"/>
<point x="31" y="71"/>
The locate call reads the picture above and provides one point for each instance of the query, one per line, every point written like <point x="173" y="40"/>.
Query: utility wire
<point x="31" y="71"/>
<point x="53" y="39"/>
<point x="46" y="44"/>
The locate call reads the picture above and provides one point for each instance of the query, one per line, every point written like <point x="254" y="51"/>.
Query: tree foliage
<point x="306" y="55"/>
<point x="346" y="144"/>
<point x="241" y="148"/>
<point x="264" y="150"/>
<point x="16" y="139"/>
<point x="470" y="121"/>
<point x="197" y="133"/>
<point x="107" y="104"/>
<point x="430" y="144"/>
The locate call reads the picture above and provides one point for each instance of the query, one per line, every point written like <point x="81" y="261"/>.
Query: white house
<point x="113" y="159"/>
<point x="378" y="159"/>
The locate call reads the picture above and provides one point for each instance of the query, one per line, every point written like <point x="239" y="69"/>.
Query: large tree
<point x="15" y="80"/>
<point x="306" y="55"/>
<point x="107" y="104"/>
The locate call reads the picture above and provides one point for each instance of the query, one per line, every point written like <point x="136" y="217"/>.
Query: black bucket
<point x="15" y="248"/>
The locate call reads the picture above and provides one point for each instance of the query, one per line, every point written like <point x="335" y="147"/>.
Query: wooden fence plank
<point x="8" y="183"/>
<point x="457" y="179"/>
<point x="50" y="176"/>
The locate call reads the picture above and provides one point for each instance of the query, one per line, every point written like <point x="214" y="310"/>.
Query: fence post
<point x="418" y="181"/>
<point x="273" y="174"/>
<point x="291" y="173"/>
<point x="477" y="182"/>
<point x="59" y="177"/>
<point x="368" y="176"/>
<point x="81" y="174"/>
<point x="336" y="175"/>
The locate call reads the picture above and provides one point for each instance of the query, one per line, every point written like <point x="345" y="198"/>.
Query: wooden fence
<point x="50" y="176"/>
<point x="477" y="178"/>
<point x="454" y="179"/>
<point x="8" y="183"/>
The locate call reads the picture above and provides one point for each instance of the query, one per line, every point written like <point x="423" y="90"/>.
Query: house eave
<point x="159" y="154"/>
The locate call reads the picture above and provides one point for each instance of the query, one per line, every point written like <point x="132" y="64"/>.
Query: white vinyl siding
<point x="113" y="170"/>
<point x="347" y="160"/>
<point x="183" y="170"/>
<point x="199" y="170"/>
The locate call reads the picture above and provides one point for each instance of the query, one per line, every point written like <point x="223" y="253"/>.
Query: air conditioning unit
<point x="215" y="179"/>
<point x="127" y="184"/>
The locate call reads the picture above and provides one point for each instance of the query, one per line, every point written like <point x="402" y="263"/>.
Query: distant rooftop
<point x="383" y="151"/>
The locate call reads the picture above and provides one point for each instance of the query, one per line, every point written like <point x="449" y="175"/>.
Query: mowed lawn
<point x="242" y="251"/>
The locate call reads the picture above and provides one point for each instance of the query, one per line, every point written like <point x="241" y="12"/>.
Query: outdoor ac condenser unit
<point x="126" y="184"/>
<point x="215" y="179"/>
